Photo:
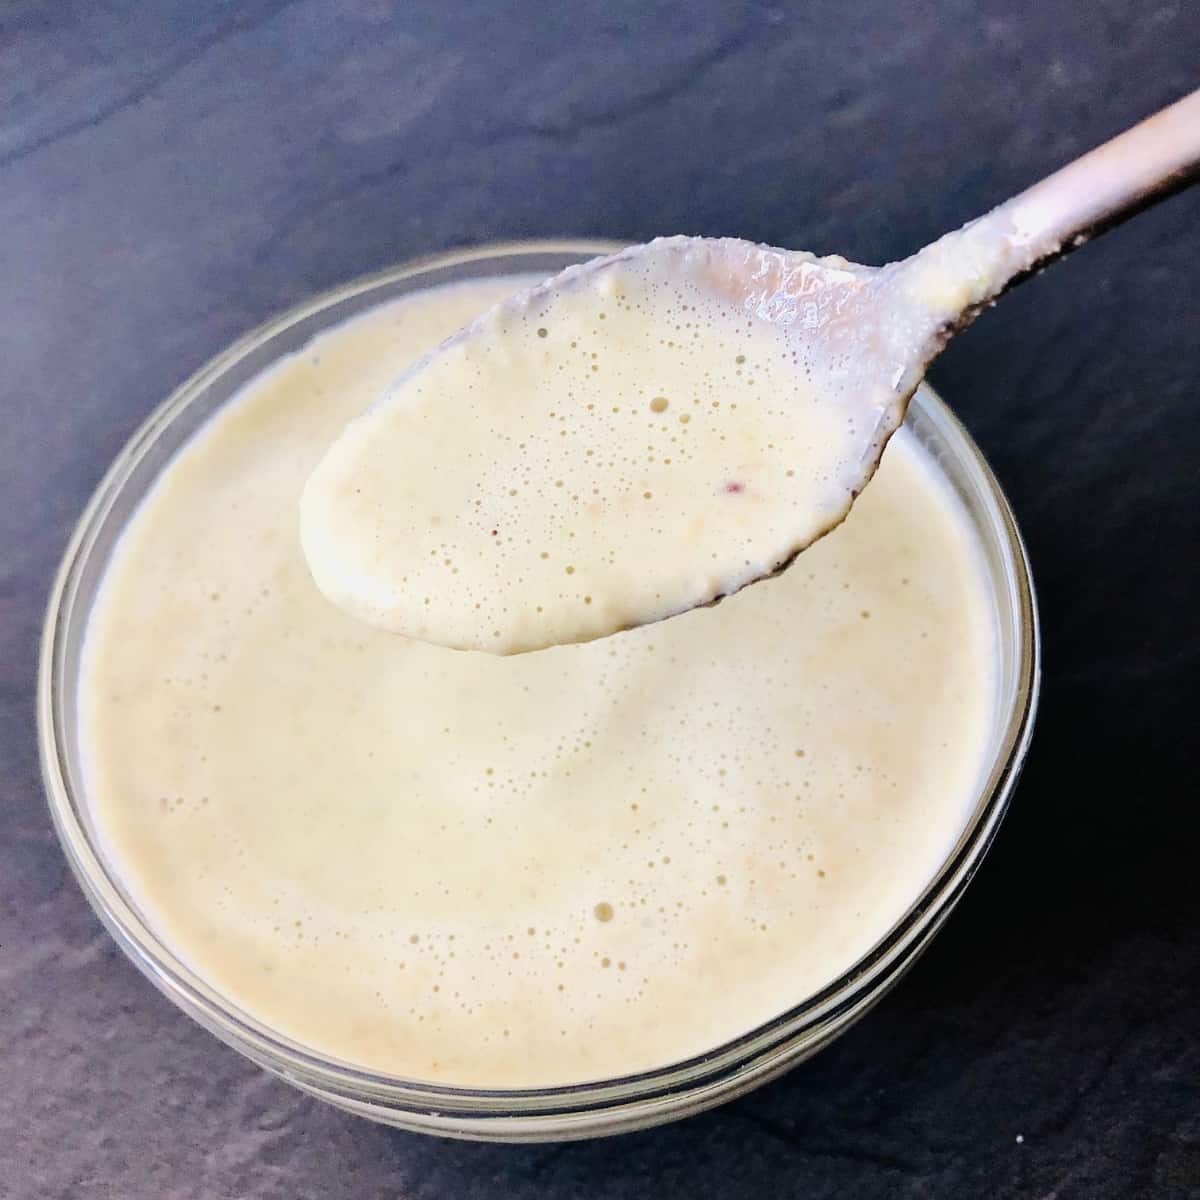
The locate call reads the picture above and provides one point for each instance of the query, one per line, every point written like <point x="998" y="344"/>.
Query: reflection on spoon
<point x="653" y="430"/>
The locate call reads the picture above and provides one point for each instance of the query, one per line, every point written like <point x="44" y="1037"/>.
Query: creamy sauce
<point x="645" y="433"/>
<point x="568" y="865"/>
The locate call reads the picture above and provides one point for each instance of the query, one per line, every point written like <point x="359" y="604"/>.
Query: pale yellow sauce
<point x="566" y="865"/>
<point x="637" y="437"/>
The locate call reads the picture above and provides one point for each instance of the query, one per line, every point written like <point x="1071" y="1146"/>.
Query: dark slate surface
<point x="173" y="172"/>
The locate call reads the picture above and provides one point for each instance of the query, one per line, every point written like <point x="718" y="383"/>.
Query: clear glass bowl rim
<point x="523" y="1114"/>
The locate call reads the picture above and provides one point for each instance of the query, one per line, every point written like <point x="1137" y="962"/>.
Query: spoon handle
<point x="1156" y="158"/>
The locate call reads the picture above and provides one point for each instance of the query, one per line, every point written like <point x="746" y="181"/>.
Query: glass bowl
<point x="543" y="1114"/>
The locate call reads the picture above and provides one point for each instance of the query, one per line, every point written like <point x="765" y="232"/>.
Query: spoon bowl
<point x="640" y="435"/>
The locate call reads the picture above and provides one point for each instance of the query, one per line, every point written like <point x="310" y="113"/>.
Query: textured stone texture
<point x="173" y="172"/>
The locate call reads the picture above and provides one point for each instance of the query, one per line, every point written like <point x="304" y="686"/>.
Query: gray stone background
<point x="174" y="171"/>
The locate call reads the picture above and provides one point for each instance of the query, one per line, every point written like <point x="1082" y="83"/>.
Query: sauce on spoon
<point x="639" y="436"/>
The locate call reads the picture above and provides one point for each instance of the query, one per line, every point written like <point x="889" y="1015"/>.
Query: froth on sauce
<point x="642" y="435"/>
<point x="574" y="864"/>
